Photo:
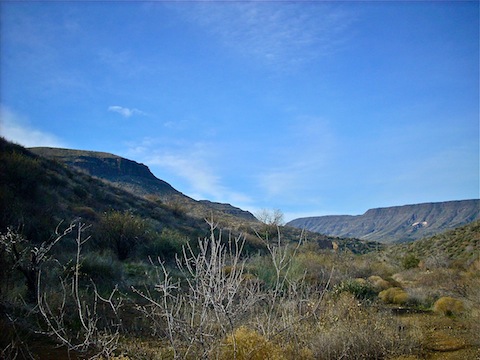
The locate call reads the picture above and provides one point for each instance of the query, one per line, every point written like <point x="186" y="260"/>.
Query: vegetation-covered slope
<point x="458" y="247"/>
<point x="37" y="193"/>
<point x="397" y="223"/>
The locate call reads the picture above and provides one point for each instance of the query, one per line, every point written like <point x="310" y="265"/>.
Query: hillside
<point x="37" y="193"/>
<point x="138" y="179"/>
<point x="395" y="224"/>
<point x="459" y="246"/>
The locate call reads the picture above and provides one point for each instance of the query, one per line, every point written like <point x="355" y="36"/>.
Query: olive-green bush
<point x="394" y="295"/>
<point x="122" y="232"/>
<point x="448" y="306"/>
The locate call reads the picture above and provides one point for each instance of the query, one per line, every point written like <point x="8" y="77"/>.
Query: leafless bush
<point x="61" y="310"/>
<point x="211" y="303"/>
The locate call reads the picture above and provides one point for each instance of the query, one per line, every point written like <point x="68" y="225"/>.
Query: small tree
<point x="410" y="261"/>
<point x="271" y="220"/>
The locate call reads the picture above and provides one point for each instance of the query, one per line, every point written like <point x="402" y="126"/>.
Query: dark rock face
<point x="128" y="174"/>
<point x="112" y="167"/>
<point x="395" y="224"/>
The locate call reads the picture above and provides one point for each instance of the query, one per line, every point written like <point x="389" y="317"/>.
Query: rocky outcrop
<point x="397" y="223"/>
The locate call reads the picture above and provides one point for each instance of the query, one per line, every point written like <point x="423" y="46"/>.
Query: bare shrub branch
<point x="76" y="306"/>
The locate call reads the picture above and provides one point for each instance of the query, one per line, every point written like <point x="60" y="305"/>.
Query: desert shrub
<point x="248" y="344"/>
<point x="262" y="268"/>
<point x="121" y="232"/>
<point x="410" y="261"/>
<point x="315" y="267"/>
<point x="212" y="301"/>
<point x="178" y="209"/>
<point x="253" y="244"/>
<point x="359" y="288"/>
<point x="21" y="172"/>
<point x="86" y="213"/>
<point x="423" y="298"/>
<point x="448" y="306"/>
<point x="394" y="295"/>
<point x="21" y="184"/>
<point x="448" y="280"/>
<point x="378" y="283"/>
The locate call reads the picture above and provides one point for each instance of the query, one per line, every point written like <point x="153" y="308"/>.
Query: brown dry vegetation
<point x="296" y="302"/>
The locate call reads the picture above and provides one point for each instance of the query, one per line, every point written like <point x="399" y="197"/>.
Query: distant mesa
<point x="397" y="223"/>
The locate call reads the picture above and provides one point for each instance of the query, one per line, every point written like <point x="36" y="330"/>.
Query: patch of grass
<point x="359" y="288"/>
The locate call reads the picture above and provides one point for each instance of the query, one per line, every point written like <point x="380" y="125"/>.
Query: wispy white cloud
<point x="16" y="128"/>
<point x="125" y="112"/>
<point x="193" y="163"/>
<point x="277" y="34"/>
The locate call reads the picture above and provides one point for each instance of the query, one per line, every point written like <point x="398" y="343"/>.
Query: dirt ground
<point x="444" y="338"/>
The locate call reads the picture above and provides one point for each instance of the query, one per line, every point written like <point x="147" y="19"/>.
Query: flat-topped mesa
<point x="396" y="223"/>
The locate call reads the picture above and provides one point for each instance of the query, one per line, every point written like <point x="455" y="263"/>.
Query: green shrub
<point x="121" y="232"/>
<point x="359" y="288"/>
<point x="166" y="245"/>
<point x="348" y="329"/>
<point x="378" y="283"/>
<point x="448" y="306"/>
<point x="410" y="261"/>
<point x="101" y="268"/>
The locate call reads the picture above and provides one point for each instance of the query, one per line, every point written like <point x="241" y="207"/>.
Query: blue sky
<point x="313" y="108"/>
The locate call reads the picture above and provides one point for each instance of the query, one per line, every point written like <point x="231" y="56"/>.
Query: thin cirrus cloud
<point x="284" y="35"/>
<point x="125" y="112"/>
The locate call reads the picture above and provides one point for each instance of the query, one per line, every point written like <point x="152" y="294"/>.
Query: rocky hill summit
<point x="138" y="179"/>
<point x="397" y="223"/>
